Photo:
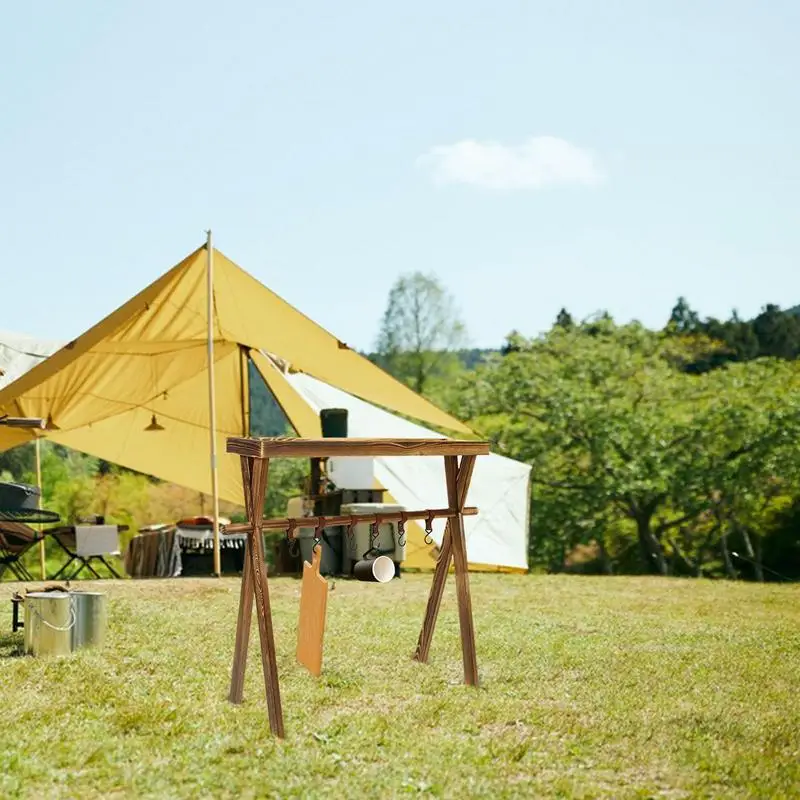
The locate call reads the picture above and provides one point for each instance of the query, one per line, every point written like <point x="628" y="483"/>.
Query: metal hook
<point x="401" y="529"/>
<point x="318" y="532"/>
<point x="351" y="528"/>
<point x="375" y="532"/>
<point x="429" y="528"/>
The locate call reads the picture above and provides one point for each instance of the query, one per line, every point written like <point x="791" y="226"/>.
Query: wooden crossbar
<point x="290" y="523"/>
<point x="288" y="447"/>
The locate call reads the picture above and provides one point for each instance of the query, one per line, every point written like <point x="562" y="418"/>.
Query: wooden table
<point x="459" y="462"/>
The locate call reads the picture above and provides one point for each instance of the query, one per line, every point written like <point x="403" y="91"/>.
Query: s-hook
<point x="429" y="528"/>
<point x="401" y="529"/>
<point x="375" y="532"/>
<point x="318" y="530"/>
<point x="351" y="528"/>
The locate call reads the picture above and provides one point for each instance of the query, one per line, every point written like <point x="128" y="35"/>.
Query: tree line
<point x="671" y="451"/>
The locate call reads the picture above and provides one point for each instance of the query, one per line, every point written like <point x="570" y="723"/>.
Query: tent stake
<point x="212" y="405"/>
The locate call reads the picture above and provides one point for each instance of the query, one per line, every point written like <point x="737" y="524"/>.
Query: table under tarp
<point x="167" y="551"/>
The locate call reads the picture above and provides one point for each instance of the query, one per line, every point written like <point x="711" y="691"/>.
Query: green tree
<point x="419" y="330"/>
<point x="18" y="461"/>
<point x="564" y="319"/>
<point x="513" y="344"/>
<point x="773" y="333"/>
<point x="683" y="319"/>
<point x="778" y="333"/>
<point x="620" y="439"/>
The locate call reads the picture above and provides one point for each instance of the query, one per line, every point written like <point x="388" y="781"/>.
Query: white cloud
<point x="536" y="163"/>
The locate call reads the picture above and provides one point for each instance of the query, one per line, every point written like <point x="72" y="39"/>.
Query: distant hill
<point x="469" y="358"/>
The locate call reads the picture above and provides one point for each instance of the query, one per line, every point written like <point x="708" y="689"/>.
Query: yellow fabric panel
<point x="99" y="384"/>
<point x="114" y="367"/>
<point x="498" y="569"/>
<point x="251" y="314"/>
<point x="11" y="437"/>
<point x="143" y="351"/>
<point x="300" y="415"/>
<point x="139" y="305"/>
<point x="178" y="311"/>
<point x="179" y="453"/>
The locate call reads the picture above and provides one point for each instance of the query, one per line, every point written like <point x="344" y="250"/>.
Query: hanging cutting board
<point x="313" y="605"/>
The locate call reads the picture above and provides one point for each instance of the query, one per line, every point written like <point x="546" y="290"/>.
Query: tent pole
<point x="212" y="404"/>
<point x="42" y="557"/>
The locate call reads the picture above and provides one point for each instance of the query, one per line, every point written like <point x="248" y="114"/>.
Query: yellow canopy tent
<point x="147" y="362"/>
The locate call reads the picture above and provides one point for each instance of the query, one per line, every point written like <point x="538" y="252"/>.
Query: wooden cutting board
<point x="313" y="605"/>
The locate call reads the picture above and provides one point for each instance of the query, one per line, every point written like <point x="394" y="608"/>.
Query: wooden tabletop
<point x="325" y="448"/>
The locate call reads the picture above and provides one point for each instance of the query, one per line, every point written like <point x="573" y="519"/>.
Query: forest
<point x="671" y="451"/>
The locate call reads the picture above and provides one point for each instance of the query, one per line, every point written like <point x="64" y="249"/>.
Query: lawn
<point x="591" y="687"/>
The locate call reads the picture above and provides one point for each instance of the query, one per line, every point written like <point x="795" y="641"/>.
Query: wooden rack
<point x="459" y="462"/>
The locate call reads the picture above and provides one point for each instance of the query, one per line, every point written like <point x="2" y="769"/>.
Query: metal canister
<point x="91" y="619"/>
<point x="49" y="622"/>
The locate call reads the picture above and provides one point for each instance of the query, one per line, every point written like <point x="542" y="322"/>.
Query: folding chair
<point x="16" y="539"/>
<point x="86" y="543"/>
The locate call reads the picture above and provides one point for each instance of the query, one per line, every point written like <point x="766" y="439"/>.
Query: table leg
<point x="434" y="598"/>
<point x="72" y="556"/>
<point x="15" y="623"/>
<point x="442" y="566"/>
<point x="255" y="546"/>
<point x="84" y="565"/>
<point x="263" y="611"/>
<point x="245" y="600"/>
<point x="462" y="574"/>
<point x="20" y="571"/>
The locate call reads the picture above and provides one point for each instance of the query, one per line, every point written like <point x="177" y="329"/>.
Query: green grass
<point x="591" y="687"/>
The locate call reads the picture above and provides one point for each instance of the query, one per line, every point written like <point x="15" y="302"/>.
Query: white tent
<point x="498" y="536"/>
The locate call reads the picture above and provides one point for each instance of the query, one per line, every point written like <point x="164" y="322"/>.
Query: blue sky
<point x="532" y="154"/>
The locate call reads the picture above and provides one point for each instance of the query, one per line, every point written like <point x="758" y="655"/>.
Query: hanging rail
<point x="292" y="525"/>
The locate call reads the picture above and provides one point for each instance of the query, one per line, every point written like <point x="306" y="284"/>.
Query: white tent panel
<point x="500" y="486"/>
<point x="20" y="353"/>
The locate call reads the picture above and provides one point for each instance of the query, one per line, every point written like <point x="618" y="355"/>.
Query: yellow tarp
<point x="149" y="357"/>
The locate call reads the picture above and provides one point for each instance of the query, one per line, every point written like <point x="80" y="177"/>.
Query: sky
<point x="532" y="155"/>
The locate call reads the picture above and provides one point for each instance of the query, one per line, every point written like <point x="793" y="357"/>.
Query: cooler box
<point x="388" y="538"/>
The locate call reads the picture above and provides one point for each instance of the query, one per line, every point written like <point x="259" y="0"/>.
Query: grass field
<point x="591" y="687"/>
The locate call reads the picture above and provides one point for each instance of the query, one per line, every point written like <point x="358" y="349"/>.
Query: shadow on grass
<point x="12" y="645"/>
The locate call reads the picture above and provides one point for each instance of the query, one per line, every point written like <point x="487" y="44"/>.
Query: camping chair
<point x="86" y="543"/>
<point x="16" y="539"/>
